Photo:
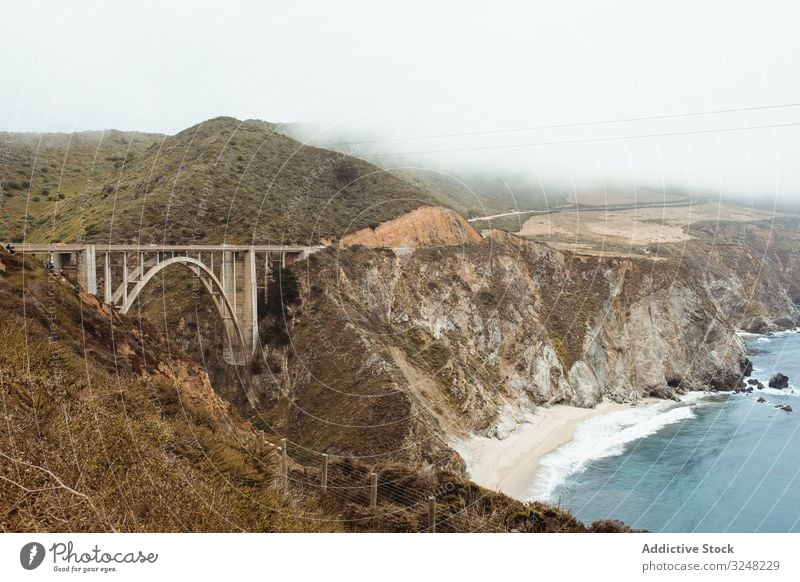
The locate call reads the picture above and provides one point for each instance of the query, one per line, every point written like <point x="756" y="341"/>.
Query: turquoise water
<point x="716" y="463"/>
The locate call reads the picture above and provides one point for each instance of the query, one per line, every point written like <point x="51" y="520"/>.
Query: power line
<point x="587" y="140"/>
<point x="564" y="125"/>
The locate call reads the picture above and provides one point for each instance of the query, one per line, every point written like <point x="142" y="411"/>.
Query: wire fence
<point x="369" y="495"/>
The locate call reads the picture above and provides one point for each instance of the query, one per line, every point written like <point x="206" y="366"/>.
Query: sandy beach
<point x="510" y="465"/>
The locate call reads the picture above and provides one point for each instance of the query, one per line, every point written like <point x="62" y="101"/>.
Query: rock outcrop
<point x="779" y="381"/>
<point x="468" y="338"/>
<point x="424" y="226"/>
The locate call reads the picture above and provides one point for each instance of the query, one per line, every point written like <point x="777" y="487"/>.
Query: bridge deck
<point x="102" y="248"/>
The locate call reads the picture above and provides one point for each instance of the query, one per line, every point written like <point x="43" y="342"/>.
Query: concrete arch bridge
<point x="233" y="275"/>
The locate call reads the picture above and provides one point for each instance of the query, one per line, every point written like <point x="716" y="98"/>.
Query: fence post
<point x="432" y="514"/>
<point x="324" y="473"/>
<point x="373" y="494"/>
<point x="284" y="459"/>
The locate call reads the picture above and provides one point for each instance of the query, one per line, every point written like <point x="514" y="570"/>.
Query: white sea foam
<point x="750" y="335"/>
<point x="606" y="436"/>
<point x="746" y="334"/>
<point x="785" y="332"/>
<point x="790" y="391"/>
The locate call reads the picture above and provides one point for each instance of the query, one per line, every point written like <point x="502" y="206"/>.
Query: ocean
<point x="711" y="463"/>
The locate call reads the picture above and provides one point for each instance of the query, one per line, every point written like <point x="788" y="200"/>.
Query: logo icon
<point x="31" y="555"/>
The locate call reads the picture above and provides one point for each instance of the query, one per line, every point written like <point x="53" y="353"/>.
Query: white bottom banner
<point x="481" y="557"/>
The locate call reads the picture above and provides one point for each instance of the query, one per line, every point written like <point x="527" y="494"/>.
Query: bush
<point x="257" y="365"/>
<point x="283" y="292"/>
<point x="275" y="334"/>
<point x="486" y="297"/>
<point x="346" y="173"/>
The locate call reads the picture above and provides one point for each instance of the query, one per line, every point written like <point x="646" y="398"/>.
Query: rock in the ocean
<point x="752" y="382"/>
<point x="784" y="323"/>
<point x="726" y="381"/>
<point x="757" y="325"/>
<point x="746" y="367"/>
<point x="779" y="381"/>
<point x="761" y="399"/>
<point x="785" y="407"/>
<point x="760" y="386"/>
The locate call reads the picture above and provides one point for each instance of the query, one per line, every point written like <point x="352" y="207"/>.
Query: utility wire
<point x="579" y="141"/>
<point x="564" y="125"/>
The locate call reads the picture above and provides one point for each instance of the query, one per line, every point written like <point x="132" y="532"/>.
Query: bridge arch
<point x="234" y="288"/>
<point x="212" y="284"/>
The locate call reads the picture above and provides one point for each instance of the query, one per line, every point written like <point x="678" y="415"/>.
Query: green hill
<point x="41" y="175"/>
<point x="221" y="180"/>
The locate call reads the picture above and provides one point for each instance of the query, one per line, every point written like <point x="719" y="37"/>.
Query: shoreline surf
<point x="511" y="464"/>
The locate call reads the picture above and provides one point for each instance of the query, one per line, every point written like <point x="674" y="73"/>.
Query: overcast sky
<point x="419" y="68"/>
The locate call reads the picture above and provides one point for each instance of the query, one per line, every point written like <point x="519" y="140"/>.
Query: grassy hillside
<point x="469" y="191"/>
<point x="41" y="174"/>
<point x="221" y="180"/>
<point x="106" y="430"/>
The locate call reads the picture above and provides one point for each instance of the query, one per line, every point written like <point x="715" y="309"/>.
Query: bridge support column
<point x="239" y="284"/>
<point x="108" y="290"/>
<point x="228" y="276"/>
<point x="250" y="322"/>
<point x="124" y="278"/>
<point x="55" y="258"/>
<point x="87" y="269"/>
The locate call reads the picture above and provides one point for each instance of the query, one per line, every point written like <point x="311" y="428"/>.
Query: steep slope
<point x="233" y="181"/>
<point x="393" y="357"/>
<point x="105" y="430"/>
<point x="471" y="191"/>
<point x="422" y="227"/>
<point x="107" y="427"/>
<point x="41" y="173"/>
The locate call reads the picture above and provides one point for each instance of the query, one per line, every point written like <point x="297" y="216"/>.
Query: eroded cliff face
<point x="427" y="225"/>
<point x="396" y="355"/>
<point x="752" y="272"/>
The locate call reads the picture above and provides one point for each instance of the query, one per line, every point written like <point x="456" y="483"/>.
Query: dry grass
<point x="630" y="232"/>
<point x="90" y="446"/>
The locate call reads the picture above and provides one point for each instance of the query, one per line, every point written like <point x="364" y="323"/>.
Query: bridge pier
<point x="107" y="289"/>
<point x="239" y="284"/>
<point x="87" y="270"/>
<point x="78" y="264"/>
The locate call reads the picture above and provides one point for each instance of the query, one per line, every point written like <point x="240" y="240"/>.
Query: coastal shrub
<point x="561" y="350"/>
<point x="346" y="173"/>
<point x="257" y="365"/>
<point x="486" y="297"/>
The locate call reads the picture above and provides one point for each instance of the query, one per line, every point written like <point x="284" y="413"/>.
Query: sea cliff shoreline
<point x="511" y="465"/>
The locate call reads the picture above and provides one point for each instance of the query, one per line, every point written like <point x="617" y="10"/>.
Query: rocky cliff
<point x="108" y="427"/>
<point x="425" y="226"/>
<point x="394" y="356"/>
